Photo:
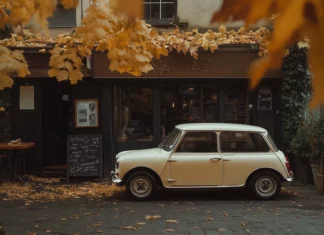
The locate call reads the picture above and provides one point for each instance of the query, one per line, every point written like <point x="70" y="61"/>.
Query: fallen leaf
<point x="152" y="217"/>
<point x="222" y="229"/>
<point x="140" y="223"/>
<point x="169" y="230"/>
<point x="63" y="219"/>
<point x="32" y="233"/>
<point x="99" y="231"/>
<point x="209" y="219"/>
<point x="172" y="221"/>
<point x="129" y="228"/>
<point x="48" y="231"/>
<point x="243" y="224"/>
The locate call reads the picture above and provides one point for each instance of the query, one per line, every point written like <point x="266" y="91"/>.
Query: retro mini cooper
<point x="206" y="155"/>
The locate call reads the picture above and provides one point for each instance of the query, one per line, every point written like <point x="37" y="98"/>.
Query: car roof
<point x="219" y="127"/>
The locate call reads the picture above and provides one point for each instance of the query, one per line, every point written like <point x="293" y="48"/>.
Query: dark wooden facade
<point x="53" y="119"/>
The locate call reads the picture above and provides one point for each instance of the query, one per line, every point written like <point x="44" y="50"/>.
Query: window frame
<point x="162" y="21"/>
<point x="183" y="135"/>
<point x="252" y="132"/>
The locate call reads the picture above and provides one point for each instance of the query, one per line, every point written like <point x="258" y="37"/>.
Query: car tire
<point x="265" y="185"/>
<point x="141" y="186"/>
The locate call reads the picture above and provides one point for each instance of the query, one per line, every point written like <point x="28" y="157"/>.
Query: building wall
<point x="197" y="13"/>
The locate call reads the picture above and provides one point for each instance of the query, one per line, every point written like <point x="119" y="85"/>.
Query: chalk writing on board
<point x="84" y="155"/>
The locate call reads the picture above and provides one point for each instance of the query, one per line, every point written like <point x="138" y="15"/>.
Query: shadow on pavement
<point x="210" y="195"/>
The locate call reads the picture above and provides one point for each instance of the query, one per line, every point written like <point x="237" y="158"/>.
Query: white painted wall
<point x="199" y="12"/>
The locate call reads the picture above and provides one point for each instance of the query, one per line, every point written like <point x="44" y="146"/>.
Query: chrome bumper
<point x="115" y="179"/>
<point x="290" y="179"/>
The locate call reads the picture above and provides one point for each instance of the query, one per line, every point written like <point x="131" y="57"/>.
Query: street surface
<point x="298" y="210"/>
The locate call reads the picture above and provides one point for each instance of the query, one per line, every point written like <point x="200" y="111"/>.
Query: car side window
<point x="198" y="142"/>
<point x="243" y="142"/>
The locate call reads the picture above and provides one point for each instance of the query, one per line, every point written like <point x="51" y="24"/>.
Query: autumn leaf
<point x="152" y="217"/>
<point x="129" y="228"/>
<point x="132" y="8"/>
<point x="209" y="219"/>
<point x="140" y="223"/>
<point x="172" y="221"/>
<point x="67" y="4"/>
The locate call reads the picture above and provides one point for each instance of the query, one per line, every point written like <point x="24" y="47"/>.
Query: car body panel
<point x="203" y="170"/>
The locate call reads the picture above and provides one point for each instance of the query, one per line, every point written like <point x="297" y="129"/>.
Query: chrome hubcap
<point x="140" y="186"/>
<point x="266" y="186"/>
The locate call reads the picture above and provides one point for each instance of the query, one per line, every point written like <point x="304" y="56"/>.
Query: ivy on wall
<point x="295" y="91"/>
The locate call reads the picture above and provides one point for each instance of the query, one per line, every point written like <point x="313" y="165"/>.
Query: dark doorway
<point x="57" y="121"/>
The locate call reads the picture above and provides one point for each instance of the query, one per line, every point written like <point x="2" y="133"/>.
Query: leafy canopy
<point x="115" y="26"/>
<point x="293" y="21"/>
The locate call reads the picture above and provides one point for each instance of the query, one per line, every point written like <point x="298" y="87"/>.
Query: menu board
<point x="265" y="98"/>
<point x="84" y="155"/>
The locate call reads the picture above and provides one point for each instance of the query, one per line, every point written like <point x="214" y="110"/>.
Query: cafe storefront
<point x="139" y="112"/>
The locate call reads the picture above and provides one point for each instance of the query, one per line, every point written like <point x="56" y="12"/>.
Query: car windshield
<point x="274" y="146"/>
<point x="172" y="139"/>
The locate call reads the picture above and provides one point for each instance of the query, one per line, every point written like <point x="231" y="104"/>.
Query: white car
<point x="205" y="155"/>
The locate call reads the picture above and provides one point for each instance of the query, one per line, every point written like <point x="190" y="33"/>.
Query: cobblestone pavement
<point x="298" y="210"/>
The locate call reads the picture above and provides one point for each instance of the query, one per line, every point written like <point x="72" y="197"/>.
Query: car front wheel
<point x="141" y="186"/>
<point x="265" y="185"/>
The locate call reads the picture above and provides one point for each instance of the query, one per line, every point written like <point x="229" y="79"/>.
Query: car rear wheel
<point x="265" y="185"/>
<point x="141" y="186"/>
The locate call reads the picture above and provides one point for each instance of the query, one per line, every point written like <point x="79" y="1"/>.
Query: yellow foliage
<point x="132" y="8"/>
<point x="11" y="63"/>
<point x="294" y="19"/>
<point x="65" y="64"/>
<point x="68" y="4"/>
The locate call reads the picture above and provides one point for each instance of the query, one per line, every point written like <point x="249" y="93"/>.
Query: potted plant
<point x="301" y="150"/>
<point x="317" y="149"/>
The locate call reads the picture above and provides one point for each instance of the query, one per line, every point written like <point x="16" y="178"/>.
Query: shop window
<point x="234" y="106"/>
<point x="243" y="142"/>
<point x="198" y="142"/>
<point x="187" y="103"/>
<point x="133" y="114"/>
<point x="159" y="10"/>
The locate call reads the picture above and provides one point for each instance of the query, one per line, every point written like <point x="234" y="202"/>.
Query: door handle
<point x="216" y="159"/>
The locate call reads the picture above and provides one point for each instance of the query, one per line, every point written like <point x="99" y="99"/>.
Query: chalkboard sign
<point x="265" y="98"/>
<point x="84" y="155"/>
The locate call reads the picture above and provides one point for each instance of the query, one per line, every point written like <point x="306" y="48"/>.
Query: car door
<point x="196" y="161"/>
<point x="243" y="153"/>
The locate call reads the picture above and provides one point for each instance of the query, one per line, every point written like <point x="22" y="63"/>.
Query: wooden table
<point x="14" y="148"/>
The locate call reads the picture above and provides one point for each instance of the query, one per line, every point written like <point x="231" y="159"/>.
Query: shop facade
<point x="136" y="113"/>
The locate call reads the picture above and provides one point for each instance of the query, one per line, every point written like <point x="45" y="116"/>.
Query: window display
<point x="133" y="114"/>
<point x="187" y="103"/>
